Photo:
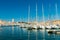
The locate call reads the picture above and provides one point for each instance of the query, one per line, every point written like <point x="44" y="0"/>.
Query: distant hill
<point x="54" y="22"/>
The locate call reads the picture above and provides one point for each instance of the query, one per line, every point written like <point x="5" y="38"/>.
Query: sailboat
<point x="54" y="25"/>
<point x="43" y="18"/>
<point x="36" y="24"/>
<point x="48" y="26"/>
<point x="29" y="26"/>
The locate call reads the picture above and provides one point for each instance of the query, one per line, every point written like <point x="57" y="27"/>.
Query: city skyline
<point x="18" y="9"/>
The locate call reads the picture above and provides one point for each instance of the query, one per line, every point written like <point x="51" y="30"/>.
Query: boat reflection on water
<point x="18" y="33"/>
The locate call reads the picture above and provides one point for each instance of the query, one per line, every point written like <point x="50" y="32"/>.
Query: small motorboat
<point x="54" y="32"/>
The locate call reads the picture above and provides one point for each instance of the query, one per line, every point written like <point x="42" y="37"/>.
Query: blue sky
<point x="18" y="9"/>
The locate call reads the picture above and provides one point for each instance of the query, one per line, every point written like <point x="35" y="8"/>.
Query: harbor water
<point x="17" y="33"/>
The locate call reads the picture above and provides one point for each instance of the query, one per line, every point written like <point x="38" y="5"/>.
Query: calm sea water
<point x="17" y="33"/>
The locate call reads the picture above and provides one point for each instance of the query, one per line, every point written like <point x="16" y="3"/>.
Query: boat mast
<point x="49" y="16"/>
<point x="57" y="17"/>
<point x="43" y="14"/>
<point x="28" y="13"/>
<point x="36" y="12"/>
<point x="56" y="11"/>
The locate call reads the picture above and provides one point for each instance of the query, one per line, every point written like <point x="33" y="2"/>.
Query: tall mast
<point x="28" y="13"/>
<point x="49" y="13"/>
<point x="56" y="12"/>
<point x="36" y="12"/>
<point x="57" y="17"/>
<point x="43" y="14"/>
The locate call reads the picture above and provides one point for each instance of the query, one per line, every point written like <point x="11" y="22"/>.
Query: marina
<point x="30" y="20"/>
<point x="17" y="33"/>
